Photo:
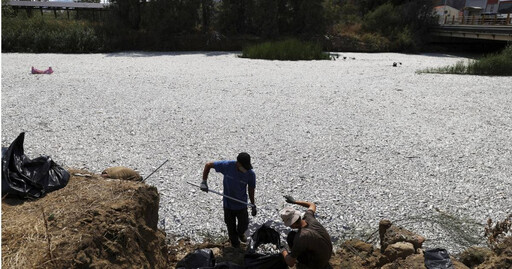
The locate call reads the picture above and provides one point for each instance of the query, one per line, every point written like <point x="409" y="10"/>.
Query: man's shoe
<point x="243" y="239"/>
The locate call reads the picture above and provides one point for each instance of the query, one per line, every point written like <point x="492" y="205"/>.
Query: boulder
<point x="358" y="254"/>
<point x="390" y="234"/>
<point x="399" y="250"/>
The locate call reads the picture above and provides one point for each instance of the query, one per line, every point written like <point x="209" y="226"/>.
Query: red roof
<point x="491" y="2"/>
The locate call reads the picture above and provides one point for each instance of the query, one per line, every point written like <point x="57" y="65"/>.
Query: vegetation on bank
<point x="362" y="25"/>
<point x="290" y="49"/>
<point x="497" y="64"/>
<point x="38" y="34"/>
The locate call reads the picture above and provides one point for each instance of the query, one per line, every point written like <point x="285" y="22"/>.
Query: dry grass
<point x="46" y="233"/>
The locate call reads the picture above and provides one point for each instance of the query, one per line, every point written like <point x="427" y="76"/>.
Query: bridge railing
<point x="494" y="19"/>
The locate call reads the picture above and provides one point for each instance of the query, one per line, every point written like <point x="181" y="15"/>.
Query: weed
<point x="499" y="64"/>
<point x="497" y="232"/>
<point x="290" y="49"/>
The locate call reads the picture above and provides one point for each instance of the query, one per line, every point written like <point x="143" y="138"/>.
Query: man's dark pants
<point x="236" y="231"/>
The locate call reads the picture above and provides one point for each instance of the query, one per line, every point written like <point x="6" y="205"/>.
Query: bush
<point x="375" y="42"/>
<point x="290" y="49"/>
<point x="499" y="64"/>
<point x="40" y="34"/>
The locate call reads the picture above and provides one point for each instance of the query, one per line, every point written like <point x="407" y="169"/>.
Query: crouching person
<point x="310" y="245"/>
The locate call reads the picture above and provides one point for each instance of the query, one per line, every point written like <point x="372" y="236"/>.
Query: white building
<point x="447" y="14"/>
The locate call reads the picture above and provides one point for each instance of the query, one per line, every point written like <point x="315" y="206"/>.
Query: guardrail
<point x="495" y="19"/>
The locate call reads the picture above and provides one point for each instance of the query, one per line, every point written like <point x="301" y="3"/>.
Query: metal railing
<point x="494" y="19"/>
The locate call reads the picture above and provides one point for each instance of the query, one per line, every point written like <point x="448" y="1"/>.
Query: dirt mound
<point x="91" y="223"/>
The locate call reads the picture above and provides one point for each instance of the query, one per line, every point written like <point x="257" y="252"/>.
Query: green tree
<point x="235" y="16"/>
<point x="312" y="13"/>
<point x="166" y="17"/>
<point x="266" y="18"/>
<point x="384" y="20"/>
<point x="128" y="11"/>
<point x="207" y="9"/>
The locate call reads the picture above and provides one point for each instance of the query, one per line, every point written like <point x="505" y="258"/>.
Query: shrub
<point x="290" y="49"/>
<point x="499" y="64"/>
<point x="46" y="34"/>
<point x="375" y="42"/>
<point x="496" y="233"/>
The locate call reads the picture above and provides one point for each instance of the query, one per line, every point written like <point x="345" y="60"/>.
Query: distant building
<point x="447" y="14"/>
<point x="479" y="7"/>
<point x="492" y="7"/>
<point x="505" y="7"/>
<point x="474" y="7"/>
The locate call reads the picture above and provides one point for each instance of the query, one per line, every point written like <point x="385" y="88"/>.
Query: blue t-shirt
<point x="235" y="183"/>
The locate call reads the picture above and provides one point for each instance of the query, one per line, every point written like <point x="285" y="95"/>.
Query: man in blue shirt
<point x="237" y="176"/>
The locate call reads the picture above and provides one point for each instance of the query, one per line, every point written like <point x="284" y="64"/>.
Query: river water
<point x="359" y="137"/>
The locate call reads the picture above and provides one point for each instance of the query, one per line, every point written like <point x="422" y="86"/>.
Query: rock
<point x="475" y="256"/>
<point x="399" y="250"/>
<point x="417" y="261"/>
<point x="457" y="264"/>
<point x="359" y="246"/>
<point x="390" y="234"/>
<point x="412" y="261"/>
<point x="502" y="258"/>
<point x="358" y="254"/>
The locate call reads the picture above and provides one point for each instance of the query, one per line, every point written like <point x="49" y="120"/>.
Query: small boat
<point x="37" y="71"/>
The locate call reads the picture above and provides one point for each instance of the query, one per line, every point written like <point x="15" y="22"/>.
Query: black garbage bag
<point x="438" y="258"/>
<point x="262" y="261"/>
<point x="200" y="258"/>
<point x="28" y="178"/>
<point x="264" y="235"/>
<point x="227" y="265"/>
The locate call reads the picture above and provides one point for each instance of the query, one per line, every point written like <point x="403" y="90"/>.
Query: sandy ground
<point x="362" y="139"/>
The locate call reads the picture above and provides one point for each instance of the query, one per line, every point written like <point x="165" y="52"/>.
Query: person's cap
<point x="289" y="215"/>
<point x="245" y="160"/>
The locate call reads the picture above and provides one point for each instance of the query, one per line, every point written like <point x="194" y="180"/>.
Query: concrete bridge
<point x="486" y="32"/>
<point x="57" y="5"/>
<point x="493" y="27"/>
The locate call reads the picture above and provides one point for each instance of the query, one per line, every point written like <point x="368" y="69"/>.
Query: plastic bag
<point x="200" y="258"/>
<point x="262" y="261"/>
<point x="438" y="258"/>
<point x="227" y="265"/>
<point x="264" y="235"/>
<point x="28" y="178"/>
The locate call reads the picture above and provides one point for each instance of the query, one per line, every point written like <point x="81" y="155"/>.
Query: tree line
<point x="379" y="25"/>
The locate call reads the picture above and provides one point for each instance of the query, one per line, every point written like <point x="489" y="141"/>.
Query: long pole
<point x="156" y="170"/>
<point x="222" y="194"/>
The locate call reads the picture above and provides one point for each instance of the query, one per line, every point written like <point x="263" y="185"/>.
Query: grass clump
<point x="286" y="50"/>
<point x="498" y="64"/>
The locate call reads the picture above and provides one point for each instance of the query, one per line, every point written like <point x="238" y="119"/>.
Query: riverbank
<point x="96" y="223"/>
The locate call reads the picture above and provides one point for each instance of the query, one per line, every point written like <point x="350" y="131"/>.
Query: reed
<point x="497" y="64"/>
<point x="286" y="50"/>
